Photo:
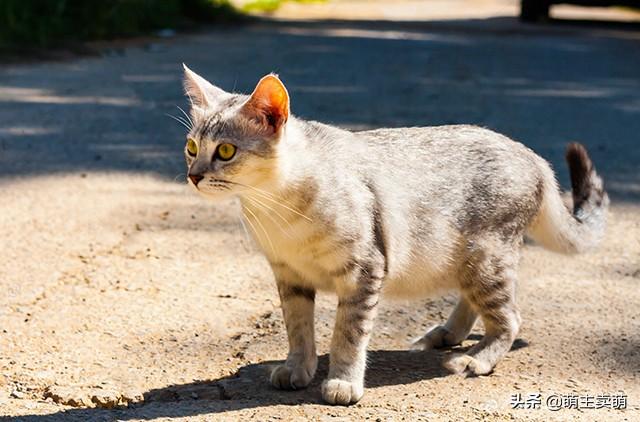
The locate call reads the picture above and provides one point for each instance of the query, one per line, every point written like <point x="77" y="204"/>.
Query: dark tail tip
<point x="584" y="180"/>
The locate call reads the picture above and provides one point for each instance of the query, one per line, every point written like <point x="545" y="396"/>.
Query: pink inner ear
<point x="271" y="101"/>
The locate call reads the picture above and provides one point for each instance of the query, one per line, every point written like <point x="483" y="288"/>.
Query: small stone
<point x="105" y="399"/>
<point x="132" y="397"/>
<point x="69" y="396"/>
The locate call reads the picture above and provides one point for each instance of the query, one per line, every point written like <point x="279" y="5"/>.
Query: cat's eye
<point x="192" y="147"/>
<point x="225" y="152"/>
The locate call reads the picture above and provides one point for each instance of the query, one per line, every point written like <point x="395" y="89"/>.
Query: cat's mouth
<point x="222" y="181"/>
<point x="215" y="185"/>
<point x="220" y="187"/>
<point x="212" y="187"/>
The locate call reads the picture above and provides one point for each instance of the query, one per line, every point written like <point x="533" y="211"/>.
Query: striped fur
<point x="406" y="212"/>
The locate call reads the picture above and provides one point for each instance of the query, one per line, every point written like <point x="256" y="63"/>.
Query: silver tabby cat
<point x="405" y="212"/>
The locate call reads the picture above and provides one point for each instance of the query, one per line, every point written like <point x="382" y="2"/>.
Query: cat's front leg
<point x="358" y="292"/>
<point x="297" y="307"/>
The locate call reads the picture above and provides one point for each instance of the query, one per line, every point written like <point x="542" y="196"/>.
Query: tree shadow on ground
<point x="249" y="387"/>
<point x="541" y="86"/>
<point x="544" y="85"/>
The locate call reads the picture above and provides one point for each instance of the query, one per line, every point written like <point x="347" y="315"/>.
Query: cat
<point x="406" y="212"/>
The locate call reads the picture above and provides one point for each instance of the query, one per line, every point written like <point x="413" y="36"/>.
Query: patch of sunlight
<point x="325" y="89"/>
<point x="27" y="131"/>
<point x="560" y="92"/>
<point x="44" y="96"/>
<point x="267" y="6"/>
<point x="375" y="34"/>
<point x="149" y="78"/>
<point x="627" y="188"/>
<point x="629" y="107"/>
<point x="137" y="150"/>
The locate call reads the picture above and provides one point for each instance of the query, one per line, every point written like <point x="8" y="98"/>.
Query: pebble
<point x="98" y="396"/>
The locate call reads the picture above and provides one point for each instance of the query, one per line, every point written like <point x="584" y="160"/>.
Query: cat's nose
<point x="195" y="178"/>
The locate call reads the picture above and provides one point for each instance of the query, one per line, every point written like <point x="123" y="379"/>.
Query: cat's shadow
<point x="385" y="367"/>
<point x="251" y="382"/>
<point x="249" y="387"/>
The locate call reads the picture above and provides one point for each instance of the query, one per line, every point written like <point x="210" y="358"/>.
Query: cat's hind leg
<point x="297" y="308"/>
<point x="489" y="283"/>
<point x="453" y="332"/>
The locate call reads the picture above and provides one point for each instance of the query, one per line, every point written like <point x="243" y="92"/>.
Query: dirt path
<point x="121" y="287"/>
<point x="135" y="314"/>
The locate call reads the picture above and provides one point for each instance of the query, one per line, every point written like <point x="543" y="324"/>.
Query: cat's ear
<point x="201" y="93"/>
<point x="269" y="104"/>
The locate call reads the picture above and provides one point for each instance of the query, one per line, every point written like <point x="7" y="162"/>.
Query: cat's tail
<point x="579" y="224"/>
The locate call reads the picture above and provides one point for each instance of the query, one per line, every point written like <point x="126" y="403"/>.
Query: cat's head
<point x="233" y="143"/>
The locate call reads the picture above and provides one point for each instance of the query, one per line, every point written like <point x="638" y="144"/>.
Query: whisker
<point x="182" y="122"/>
<point x="253" y="228"/>
<point x="218" y="185"/>
<point x="284" y="206"/>
<point x="270" y="209"/>
<point x="182" y="119"/>
<point x="247" y="238"/>
<point x="185" y="115"/>
<point x="263" y="229"/>
<point x="269" y="196"/>
<point x="180" y="175"/>
<point x="186" y="122"/>
<point x="260" y="204"/>
<point x="257" y="190"/>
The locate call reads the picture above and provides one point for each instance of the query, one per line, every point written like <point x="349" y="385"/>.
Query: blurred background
<point x="568" y="73"/>
<point x="121" y="287"/>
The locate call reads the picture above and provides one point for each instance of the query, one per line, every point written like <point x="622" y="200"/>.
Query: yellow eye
<point x="192" y="147"/>
<point x="226" y="151"/>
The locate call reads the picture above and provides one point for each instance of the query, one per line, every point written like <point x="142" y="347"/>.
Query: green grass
<point x="47" y="22"/>
<point x="271" y="5"/>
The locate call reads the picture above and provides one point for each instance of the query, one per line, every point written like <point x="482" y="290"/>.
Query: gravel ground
<point x="124" y="289"/>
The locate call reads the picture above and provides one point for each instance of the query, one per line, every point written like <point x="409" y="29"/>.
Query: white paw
<point x="467" y="365"/>
<point x="284" y="377"/>
<point x="337" y="391"/>
<point x="434" y="339"/>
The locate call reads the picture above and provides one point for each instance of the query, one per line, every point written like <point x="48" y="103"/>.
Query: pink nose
<point x="195" y="178"/>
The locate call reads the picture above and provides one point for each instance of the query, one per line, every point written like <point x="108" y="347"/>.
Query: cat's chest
<point x="309" y="249"/>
